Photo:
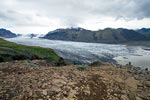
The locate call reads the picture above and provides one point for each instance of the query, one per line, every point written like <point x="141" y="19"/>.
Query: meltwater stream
<point x="79" y="52"/>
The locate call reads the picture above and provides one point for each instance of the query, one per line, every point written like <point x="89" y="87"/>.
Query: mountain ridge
<point x="107" y="35"/>
<point x="6" y="33"/>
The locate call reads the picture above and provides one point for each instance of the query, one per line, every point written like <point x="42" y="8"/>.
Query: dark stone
<point x="1" y="59"/>
<point x="131" y="96"/>
<point x="129" y="63"/>
<point x="146" y="69"/>
<point x="61" y="62"/>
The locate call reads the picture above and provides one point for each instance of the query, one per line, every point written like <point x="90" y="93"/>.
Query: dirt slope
<point x="21" y="81"/>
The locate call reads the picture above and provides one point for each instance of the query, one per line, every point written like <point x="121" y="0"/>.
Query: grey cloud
<point x="126" y="8"/>
<point x="143" y="8"/>
<point x="5" y="16"/>
<point x="74" y="12"/>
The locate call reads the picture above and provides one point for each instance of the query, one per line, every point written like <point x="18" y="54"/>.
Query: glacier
<point x="84" y="53"/>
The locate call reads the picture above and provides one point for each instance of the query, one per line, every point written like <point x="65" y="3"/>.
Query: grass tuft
<point x="82" y="67"/>
<point x="30" y="64"/>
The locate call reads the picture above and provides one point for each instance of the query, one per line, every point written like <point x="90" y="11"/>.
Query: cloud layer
<point x="43" y="15"/>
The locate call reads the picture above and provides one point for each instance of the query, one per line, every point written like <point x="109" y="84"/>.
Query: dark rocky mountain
<point x="32" y="35"/>
<point x="107" y="35"/>
<point x="71" y="34"/>
<point x="145" y="31"/>
<point x="110" y="35"/>
<point x="6" y="33"/>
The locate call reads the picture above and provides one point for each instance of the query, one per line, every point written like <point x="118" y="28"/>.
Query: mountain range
<point x="8" y="34"/>
<point x="107" y="35"/>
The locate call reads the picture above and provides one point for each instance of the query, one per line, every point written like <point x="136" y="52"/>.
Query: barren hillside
<point x="34" y="80"/>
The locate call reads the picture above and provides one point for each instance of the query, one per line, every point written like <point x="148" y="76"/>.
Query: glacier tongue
<point x="80" y="52"/>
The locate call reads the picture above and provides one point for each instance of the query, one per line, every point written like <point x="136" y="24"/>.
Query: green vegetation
<point x="82" y="67"/>
<point x="140" y="43"/>
<point x="11" y="51"/>
<point x="30" y="64"/>
<point x="96" y="64"/>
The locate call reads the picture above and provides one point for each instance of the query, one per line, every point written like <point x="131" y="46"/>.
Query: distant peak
<point x="145" y="29"/>
<point x="108" y="28"/>
<point x="76" y="28"/>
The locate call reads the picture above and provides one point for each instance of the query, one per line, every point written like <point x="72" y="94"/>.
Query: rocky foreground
<point x="33" y="80"/>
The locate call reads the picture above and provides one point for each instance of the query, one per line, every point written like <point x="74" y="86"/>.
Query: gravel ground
<point x="34" y="80"/>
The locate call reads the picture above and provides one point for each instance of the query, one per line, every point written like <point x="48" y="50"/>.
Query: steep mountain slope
<point x="71" y="34"/>
<point x="6" y="33"/>
<point x="145" y="31"/>
<point x="107" y="35"/>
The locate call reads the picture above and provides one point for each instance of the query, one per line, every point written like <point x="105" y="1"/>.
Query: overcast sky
<point x="41" y="16"/>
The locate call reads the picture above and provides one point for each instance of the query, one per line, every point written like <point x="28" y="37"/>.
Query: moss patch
<point x="11" y="51"/>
